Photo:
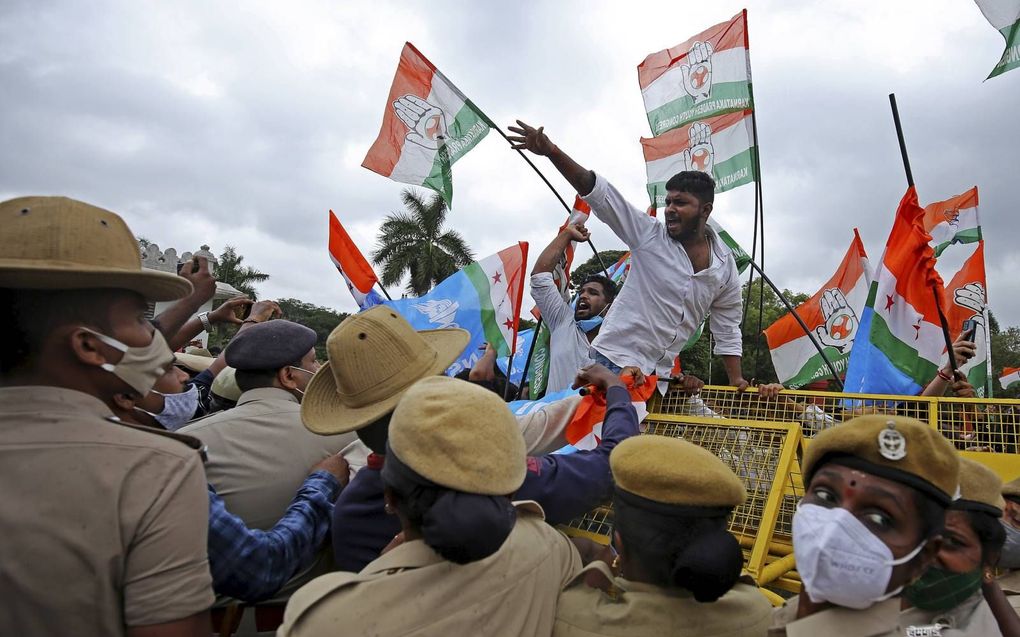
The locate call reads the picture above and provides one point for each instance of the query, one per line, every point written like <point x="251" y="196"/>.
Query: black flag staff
<point x="910" y="184"/>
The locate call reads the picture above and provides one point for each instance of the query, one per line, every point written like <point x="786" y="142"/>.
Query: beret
<point x="897" y="448"/>
<point x="1011" y="489"/>
<point x="269" y="345"/>
<point x="225" y="385"/>
<point x="980" y="489"/>
<point x="668" y="470"/>
<point x="459" y="436"/>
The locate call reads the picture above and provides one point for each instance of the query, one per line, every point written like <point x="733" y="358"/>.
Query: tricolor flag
<point x="833" y="316"/>
<point x="966" y="298"/>
<point x="721" y="146"/>
<point x="954" y="220"/>
<point x="484" y="298"/>
<point x="352" y="265"/>
<point x="708" y="75"/>
<point x="899" y="343"/>
<point x="742" y="258"/>
<point x="561" y="272"/>
<point x="1005" y="17"/>
<point x="1010" y="376"/>
<point x="427" y="126"/>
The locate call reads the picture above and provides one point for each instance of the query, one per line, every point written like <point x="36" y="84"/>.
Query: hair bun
<point x="709" y="566"/>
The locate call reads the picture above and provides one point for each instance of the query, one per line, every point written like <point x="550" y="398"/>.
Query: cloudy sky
<point x="241" y="123"/>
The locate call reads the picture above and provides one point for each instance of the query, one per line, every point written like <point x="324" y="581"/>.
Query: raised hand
<point x="697" y="75"/>
<point x="426" y="122"/>
<point x="530" y="138"/>
<point x="700" y="155"/>
<point x="265" y="310"/>
<point x="227" y="312"/>
<point x="598" y="376"/>
<point x="577" y="232"/>
<point x="201" y="278"/>
<point x="840" y="321"/>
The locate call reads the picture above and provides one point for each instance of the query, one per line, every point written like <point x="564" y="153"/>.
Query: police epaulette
<point x="191" y="441"/>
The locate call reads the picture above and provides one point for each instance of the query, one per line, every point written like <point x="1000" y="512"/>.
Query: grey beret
<point x="269" y="345"/>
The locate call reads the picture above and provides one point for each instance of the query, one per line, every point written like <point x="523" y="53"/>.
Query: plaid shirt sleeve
<point x="251" y="564"/>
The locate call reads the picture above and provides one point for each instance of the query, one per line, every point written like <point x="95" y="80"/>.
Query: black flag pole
<point x="910" y="183"/>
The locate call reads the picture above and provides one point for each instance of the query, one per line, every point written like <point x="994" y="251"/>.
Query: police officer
<point x="104" y="524"/>
<point x="472" y="562"/>
<point x="877" y="488"/>
<point x="678" y="566"/>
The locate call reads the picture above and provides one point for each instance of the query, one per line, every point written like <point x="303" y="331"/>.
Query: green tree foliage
<point x="414" y="244"/>
<point x="320" y="319"/>
<point x="230" y="269"/>
<point x="592" y="266"/>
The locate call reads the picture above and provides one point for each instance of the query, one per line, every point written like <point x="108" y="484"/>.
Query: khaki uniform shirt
<point x="634" y="608"/>
<point x="971" y="617"/>
<point x="881" y="619"/>
<point x="412" y="590"/>
<point x="102" y="525"/>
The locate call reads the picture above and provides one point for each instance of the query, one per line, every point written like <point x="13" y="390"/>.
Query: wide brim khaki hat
<point x="374" y="358"/>
<point x="56" y="243"/>
<point x="193" y="362"/>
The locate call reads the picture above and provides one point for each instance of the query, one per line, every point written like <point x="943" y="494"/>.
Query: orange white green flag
<point x="721" y="146"/>
<point x="954" y="220"/>
<point x="707" y="75"/>
<point x="832" y="315"/>
<point x="427" y="126"/>
<point x="352" y="265"/>
<point x="899" y="344"/>
<point x="1010" y="377"/>
<point x="1004" y="15"/>
<point x="966" y="299"/>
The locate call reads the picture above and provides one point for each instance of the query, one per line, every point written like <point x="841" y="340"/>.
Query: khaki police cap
<point x="460" y="436"/>
<point x="673" y="471"/>
<point x="897" y="448"/>
<point x="980" y="489"/>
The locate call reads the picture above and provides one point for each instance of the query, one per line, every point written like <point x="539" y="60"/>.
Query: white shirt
<point x="569" y="349"/>
<point x="663" y="301"/>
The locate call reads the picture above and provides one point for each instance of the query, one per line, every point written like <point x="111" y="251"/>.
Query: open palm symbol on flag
<point x="700" y="155"/>
<point x="427" y="122"/>
<point x="972" y="297"/>
<point x="841" y="321"/>
<point x="697" y="76"/>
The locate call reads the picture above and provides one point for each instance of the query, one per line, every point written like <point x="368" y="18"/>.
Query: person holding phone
<point x="964" y="349"/>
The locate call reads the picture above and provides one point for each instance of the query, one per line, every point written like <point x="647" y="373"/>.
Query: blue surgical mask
<point x="589" y="324"/>
<point x="178" y="409"/>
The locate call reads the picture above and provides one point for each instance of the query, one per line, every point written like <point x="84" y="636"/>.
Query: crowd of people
<point x="151" y="492"/>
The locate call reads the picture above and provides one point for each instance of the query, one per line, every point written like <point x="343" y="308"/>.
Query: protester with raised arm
<point x="680" y="271"/>
<point x="571" y="330"/>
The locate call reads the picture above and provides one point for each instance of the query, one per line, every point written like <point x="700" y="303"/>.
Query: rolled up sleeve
<point x="632" y="225"/>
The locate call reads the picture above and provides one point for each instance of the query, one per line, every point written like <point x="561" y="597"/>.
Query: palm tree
<point x="414" y="243"/>
<point x="243" y="277"/>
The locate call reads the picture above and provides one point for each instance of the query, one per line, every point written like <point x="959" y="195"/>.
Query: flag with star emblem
<point x="899" y="344"/>
<point x="484" y="298"/>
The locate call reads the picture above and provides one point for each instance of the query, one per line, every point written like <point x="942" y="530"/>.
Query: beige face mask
<point x="140" y="367"/>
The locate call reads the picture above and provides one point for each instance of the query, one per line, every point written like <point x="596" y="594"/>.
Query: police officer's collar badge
<point x="891" y="443"/>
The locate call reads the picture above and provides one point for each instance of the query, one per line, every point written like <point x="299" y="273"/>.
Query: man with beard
<point x="571" y="330"/>
<point x="680" y="272"/>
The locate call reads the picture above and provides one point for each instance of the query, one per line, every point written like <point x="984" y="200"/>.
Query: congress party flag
<point x="708" y="75"/>
<point x="739" y="255"/>
<point x="484" y="298"/>
<point x="427" y="126"/>
<point x="1004" y="15"/>
<point x="352" y="265"/>
<point x="1010" y="377"/>
<point x="833" y="316"/>
<point x="966" y="298"/>
<point x="899" y="343"/>
<point x="954" y="220"/>
<point x="561" y="271"/>
<point x="721" y="146"/>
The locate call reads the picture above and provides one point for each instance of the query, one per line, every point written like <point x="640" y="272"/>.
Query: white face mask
<point x="139" y="367"/>
<point x="301" y="369"/>
<point x="178" y="409"/>
<point x="839" y="560"/>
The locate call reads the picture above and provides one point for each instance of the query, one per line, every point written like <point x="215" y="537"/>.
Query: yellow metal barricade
<point x="763" y="440"/>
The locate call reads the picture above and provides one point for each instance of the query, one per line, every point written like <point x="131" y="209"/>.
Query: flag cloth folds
<point x="954" y="220"/>
<point x="899" y="343"/>
<point x="721" y="146"/>
<point x="352" y="265"/>
<point x="1004" y="15"/>
<point x="708" y="75"/>
<point x="1010" y="376"/>
<point x="427" y="126"/>
<point x="833" y="316"/>
<point x="484" y="298"/>
<point x="524" y="342"/>
<point x="966" y="298"/>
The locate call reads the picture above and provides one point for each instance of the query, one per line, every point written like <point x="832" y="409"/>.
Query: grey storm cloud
<point x="242" y="123"/>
